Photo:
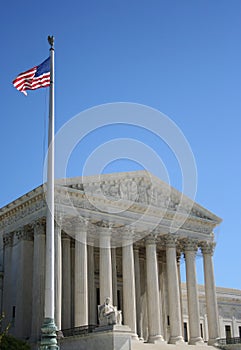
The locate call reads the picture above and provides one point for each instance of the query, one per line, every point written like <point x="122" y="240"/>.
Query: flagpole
<point x="49" y="338"/>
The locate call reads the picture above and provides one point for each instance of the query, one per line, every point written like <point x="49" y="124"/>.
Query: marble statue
<point x="108" y="314"/>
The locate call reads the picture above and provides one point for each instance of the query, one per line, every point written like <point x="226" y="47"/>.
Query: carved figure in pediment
<point x="114" y="191"/>
<point x="142" y="192"/>
<point x="92" y="189"/>
<point x="152" y="195"/>
<point x="162" y="199"/>
<point x="105" y="189"/>
<point x="128" y="190"/>
<point x="108" y="314"/>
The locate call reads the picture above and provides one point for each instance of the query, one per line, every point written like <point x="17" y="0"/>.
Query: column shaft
<point x="180" y="290"/>
<point x="173" y="293"/>
<point x="66" y="282"/>
<point x="153" y="301"/>
<point x="114" y="275"/>
<point x="7" y="291"/>
<point x="24" y="275"/>
<point x="143" y="304"/>
<point x="72" y="259"/>
<point x="192" y="297"/>
<point x="38" y="281"/>
<point x="105" y="268"/>
<point x="129" y="300"/>
<point x="163" y="314"/>
<point x="210" y="291"/>
<point x="91" y="286"/>
<point x="138" y="292"/>
<point x="81" y="280"/>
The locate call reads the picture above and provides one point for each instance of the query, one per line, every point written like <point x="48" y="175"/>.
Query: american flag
<point x="34" y="78"/>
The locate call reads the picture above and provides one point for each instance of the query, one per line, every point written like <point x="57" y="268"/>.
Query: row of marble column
<point x="78" y="284"/>
<point x="131" y="286"/>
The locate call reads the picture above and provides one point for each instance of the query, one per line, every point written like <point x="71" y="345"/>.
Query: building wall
<point x="229" y="310"/>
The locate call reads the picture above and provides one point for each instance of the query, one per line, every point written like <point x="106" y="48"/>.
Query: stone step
<point x="135" y="345"/>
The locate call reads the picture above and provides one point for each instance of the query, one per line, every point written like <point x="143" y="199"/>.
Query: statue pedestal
<point x="114" y="337"/>
<point x="111" y="337"/>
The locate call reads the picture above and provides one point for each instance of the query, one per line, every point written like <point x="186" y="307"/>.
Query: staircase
<point x="135" y="345"/>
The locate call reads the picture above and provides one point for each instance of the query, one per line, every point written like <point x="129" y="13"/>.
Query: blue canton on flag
<point x="34" y="78"/>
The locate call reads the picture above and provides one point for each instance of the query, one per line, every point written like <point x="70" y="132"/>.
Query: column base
<point x="48" y="335"/>
<point x="134" y="337"/>
<point x="176" y="340"/>
<point x="156" y="339"/>
<point x="213" y="341"/>
<point x="196" y="341"/>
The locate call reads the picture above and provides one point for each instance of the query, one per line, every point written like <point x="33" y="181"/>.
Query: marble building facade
<point x="119" y="235"/>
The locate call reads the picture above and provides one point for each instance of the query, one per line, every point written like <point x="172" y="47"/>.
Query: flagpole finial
<point x="51" y="40"/>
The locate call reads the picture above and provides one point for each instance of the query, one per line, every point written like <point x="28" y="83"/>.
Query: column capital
<point x="24" y="234"/>
<point x="39" y="226"/>
<point x="170" y="241"/>
<point x="65" y="236"/>
<point x="151" y="239"/>
<point x="189" y="245"/>
<point x="79" y="223"/>
<point x="8" y="239"/>
<point x="136" y="247"/>
<point x="80" y="228"/>
<point x="127" y="238"/>
<point x="207" y="247"/>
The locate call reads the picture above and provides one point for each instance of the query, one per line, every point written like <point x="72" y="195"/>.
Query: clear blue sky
<point x="180" y="57"/>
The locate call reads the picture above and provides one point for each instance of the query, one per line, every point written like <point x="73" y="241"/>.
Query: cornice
<point x="21" y="202"/>
<point x="23" y="211"/>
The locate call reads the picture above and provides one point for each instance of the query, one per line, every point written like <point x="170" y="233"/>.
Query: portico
<point x="118" y="236"/>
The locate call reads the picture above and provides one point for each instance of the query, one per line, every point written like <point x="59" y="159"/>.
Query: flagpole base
<point x="48" y="335"/>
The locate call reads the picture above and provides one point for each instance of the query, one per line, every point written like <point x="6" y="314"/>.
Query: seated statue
<point x="108" y="314"/>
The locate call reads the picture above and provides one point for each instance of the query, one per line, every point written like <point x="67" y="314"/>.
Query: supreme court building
<point x="119" y="235"/>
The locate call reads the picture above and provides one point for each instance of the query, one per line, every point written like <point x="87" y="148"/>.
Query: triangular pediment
<point x="135" y="201"/>
<point x="141" y="188"/>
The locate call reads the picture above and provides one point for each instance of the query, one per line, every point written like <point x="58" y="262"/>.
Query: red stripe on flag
<point x="28" y="81"/>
